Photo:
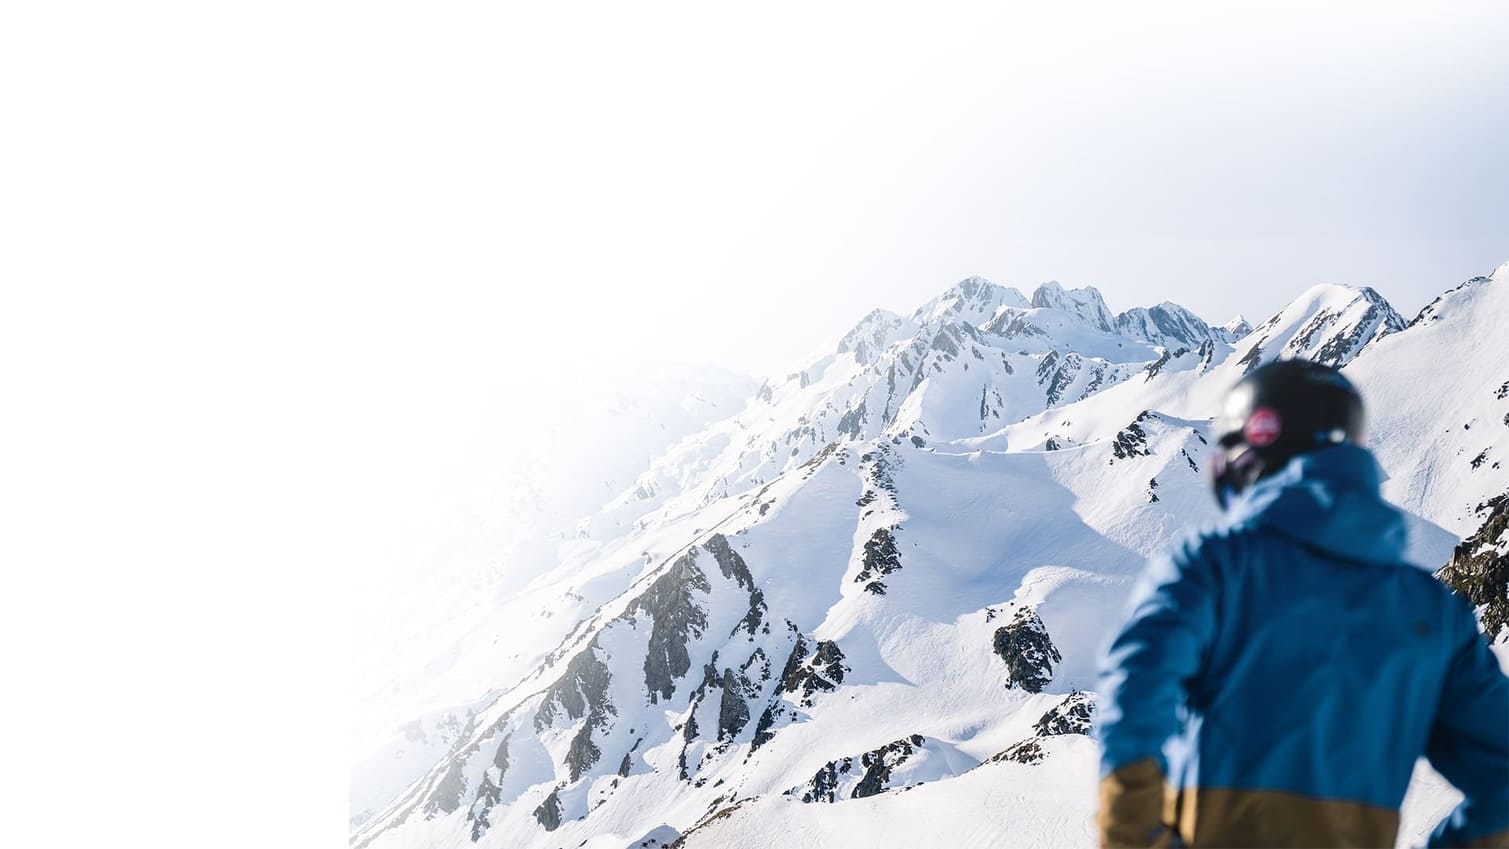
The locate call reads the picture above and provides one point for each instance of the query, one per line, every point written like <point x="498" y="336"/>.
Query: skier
<point x="1279" y="676"/>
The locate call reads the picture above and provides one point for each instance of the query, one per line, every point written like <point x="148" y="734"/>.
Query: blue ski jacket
<point x="1278" y="678"/>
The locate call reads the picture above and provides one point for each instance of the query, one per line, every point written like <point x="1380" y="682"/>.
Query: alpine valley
<point x="862" y="606"/>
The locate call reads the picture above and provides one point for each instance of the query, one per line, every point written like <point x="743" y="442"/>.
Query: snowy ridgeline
<point x="866" y="607"/>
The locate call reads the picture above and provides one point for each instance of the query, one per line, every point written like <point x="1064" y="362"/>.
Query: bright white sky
<point x="549" y="189"/>
<point x="737" y="188"/>
<point x="282" y="276"/>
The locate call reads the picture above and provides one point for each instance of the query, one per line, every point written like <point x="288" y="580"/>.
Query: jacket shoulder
<point x="1219" y="546"/>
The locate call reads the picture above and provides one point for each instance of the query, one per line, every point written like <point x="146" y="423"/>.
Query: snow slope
<point x="865" y="608"/>
<point x="471" y="617"/>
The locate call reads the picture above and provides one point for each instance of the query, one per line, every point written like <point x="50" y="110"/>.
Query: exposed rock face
<point x="1207" y="353"/>
<point x="754" y="619"/>
<point x="824" y="670"/>
<point x="1062" y="376"/>
<point x="1085" y="303"/>
<point x="1377" y="321"/>
<point x="878" y="765"/>
<point x="489" y="792"/>
<point x="446" y="796"/>
<point x="735" y="569"/>
<point x="581" y="692"/>
<point x="1479" y="567"/>
<point x="729" y="562"/>
<point x="823" y="786"/>
<point x="879" y="480"/>
<point x="1131" y="441"/>
<point x="583" y="753"/>
<point x="1070" y="716"/>
<point x="733" y="711"/>
<point x="1028" y="751"/>
<point x="581" y="689"/>
<point x="676" y="619"/>
<point x="1166" y="324"/>
<point x="1233" y="330"/>
<point x="852" y="424"/>
<point x="871" y="335"/>
<point x="880" y="558"/>
<point x="1254" y="357"/>
<point x="1015" y="325"/>
<point x="1029" y="654"/>
<point x="974" y="300"/>
<point x="548" y="814"/>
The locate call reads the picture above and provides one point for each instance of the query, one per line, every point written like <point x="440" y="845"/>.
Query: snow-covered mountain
<point x="868" y="604"/>
<point x="468" y="617"/>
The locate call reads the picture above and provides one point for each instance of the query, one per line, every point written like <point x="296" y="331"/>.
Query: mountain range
<point x="864" y="606"/>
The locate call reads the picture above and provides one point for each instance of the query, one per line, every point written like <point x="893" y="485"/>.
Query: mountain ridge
<point x="870" y="515"/>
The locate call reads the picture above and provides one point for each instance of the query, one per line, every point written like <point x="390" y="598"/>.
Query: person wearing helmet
<point x="1279" y="676"/>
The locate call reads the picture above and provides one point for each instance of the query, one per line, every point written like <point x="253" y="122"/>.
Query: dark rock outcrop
<point x="878" y="766"/>
<point x="582" y="687"/>
<point x="1131" y="441"/>
<point x="488" y="792"/>
<point x="824" y="670"/>
<point x="764" y="732"/>
<point x="583" y="753"/>
<point x="1070" y="716"/>
<point x="1377" y="321"/>
<point x="1479" y="567"/>
<point x="729" y="562"/>
<point x="879" y="763"/>
<point x="676" y="619"/>
<point x="548" y="814"/>
<point x="733" y="711"/>
<point x="1029" y="654"/>
<point x="880" y="558"/>
<point x="1029" y="751"/>
<point x="580" y="693"/>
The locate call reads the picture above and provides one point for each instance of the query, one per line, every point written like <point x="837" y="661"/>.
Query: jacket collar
<point x="1327" y="499"/>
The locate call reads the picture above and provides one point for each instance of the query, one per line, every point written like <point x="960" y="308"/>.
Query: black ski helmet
<point x="1281" y="410"/>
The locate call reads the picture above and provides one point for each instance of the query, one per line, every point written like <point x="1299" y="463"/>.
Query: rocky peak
<point x="1166" y="324"/>
<point x="974" y="300"/>
<point x="870" y="337"/>
<point x="1235" y="329"/>
<point x="1329" y="324"/>
<point x="1085" y="303"/>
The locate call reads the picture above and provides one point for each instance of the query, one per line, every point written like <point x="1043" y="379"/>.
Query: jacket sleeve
<point x="1469" y="745"/>
<point x="1141" y="688"/>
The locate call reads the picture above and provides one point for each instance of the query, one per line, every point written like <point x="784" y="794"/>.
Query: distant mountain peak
<point x="1085" y="302"/>
<point x="1167" y="324"/>
<point x="1329" y="323"/>
<point x="872" y="334"/>
<point x="973" y="299"/>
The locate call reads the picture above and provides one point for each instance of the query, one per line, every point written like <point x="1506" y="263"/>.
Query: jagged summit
<point x="873" y="334"/>
<point x="1235" y="329"/>
<point x="1166" y="324"/>
<point x="974" y="300"/>
<point x="1086" y="303"/>
<point x="1328" y="323"/>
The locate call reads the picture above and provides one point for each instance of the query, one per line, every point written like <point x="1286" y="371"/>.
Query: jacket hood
<point x="1328" y="499"/>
